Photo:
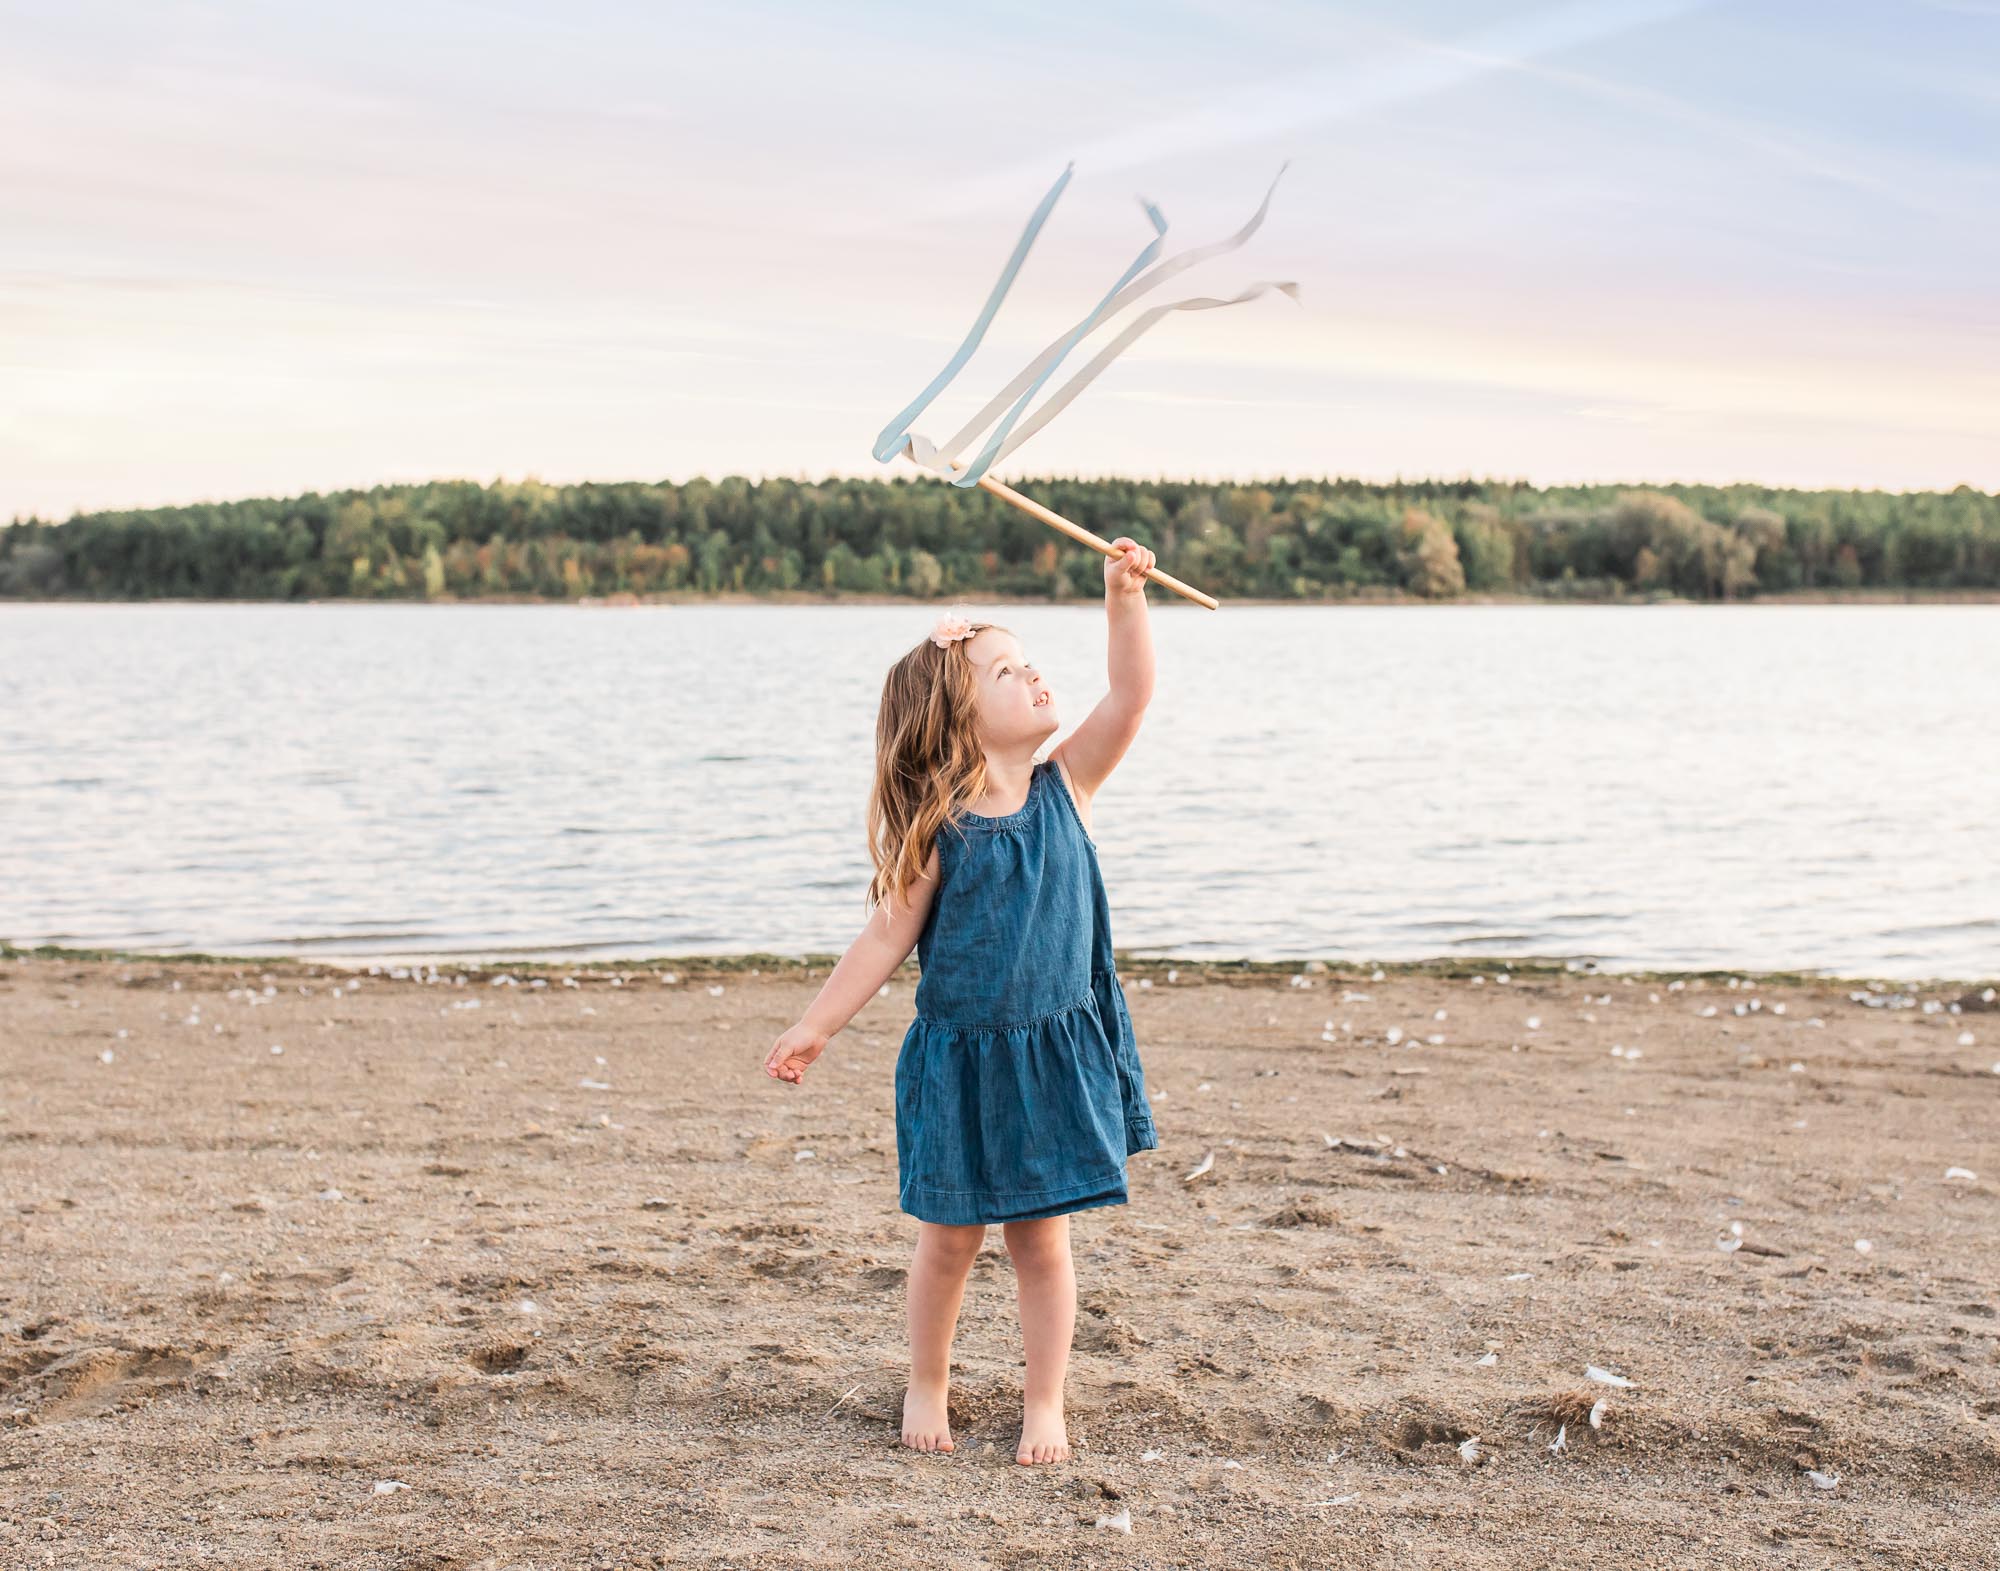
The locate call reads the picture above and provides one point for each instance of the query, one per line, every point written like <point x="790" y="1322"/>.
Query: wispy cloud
<point x="1137" y="395"/>
<point x="1344" y="90"/>
<point x="1844" y="164"/>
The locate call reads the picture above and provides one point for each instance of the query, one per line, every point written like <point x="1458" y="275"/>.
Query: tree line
<point x="1284" y="539"/>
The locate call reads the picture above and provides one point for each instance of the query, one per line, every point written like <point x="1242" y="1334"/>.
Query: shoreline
<point x="1158" y="598"/>
<point x="1153" y="968"/>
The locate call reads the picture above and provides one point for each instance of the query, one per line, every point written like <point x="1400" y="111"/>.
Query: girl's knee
<point x="951" y="1242"/>
<point x="1043" y="1241"/>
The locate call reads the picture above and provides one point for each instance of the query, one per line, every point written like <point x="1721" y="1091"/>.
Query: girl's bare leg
<point x="1046" y="1279"/>
<point x="937" y="1287"/>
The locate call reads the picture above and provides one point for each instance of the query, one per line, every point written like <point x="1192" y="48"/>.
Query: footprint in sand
<point x="94" y="1380"/>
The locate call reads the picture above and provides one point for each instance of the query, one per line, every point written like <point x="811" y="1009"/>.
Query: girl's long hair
<point x="928" y="761"/>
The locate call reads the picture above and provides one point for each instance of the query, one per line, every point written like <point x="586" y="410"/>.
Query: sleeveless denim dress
<point x="1018" y="1088"/>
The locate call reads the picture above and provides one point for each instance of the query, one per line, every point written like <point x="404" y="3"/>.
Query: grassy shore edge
<point x="1130" y="966"/>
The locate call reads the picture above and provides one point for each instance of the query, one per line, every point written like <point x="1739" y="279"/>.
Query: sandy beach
<point x="315" y="1268"/>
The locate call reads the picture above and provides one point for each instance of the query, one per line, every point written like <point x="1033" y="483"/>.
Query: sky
<point x="260" y="249"/>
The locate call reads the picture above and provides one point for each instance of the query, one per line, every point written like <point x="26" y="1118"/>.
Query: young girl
<point x="1019" y="1093"/>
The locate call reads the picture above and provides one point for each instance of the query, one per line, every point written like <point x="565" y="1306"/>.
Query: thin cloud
<point x="1835" y="165"/>
<point x="1343" y="91"/>
<point x="1135" y="395"/>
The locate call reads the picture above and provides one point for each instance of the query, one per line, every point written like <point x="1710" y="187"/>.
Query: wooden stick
<point x="1083" y="536"/>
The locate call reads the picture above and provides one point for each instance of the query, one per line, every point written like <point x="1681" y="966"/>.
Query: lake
<point x="1805" y="787"/>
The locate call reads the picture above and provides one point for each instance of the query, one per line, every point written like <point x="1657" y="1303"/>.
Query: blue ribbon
<point x="1144" y="259"/>
<point x="896" y="433"/>
<point x="897" y="437"/>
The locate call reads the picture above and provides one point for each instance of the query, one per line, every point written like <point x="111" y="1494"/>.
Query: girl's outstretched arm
<point x="871" y="960"/>
<point x="1093" y="749"/>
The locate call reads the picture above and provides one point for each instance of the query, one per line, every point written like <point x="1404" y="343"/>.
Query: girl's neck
<point x="1007" y="779"/>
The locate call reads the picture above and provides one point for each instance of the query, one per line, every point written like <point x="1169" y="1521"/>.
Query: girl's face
<point x="1015" y="707"/>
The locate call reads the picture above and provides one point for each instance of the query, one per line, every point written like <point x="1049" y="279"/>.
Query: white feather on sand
<point x="843" y="1397"/>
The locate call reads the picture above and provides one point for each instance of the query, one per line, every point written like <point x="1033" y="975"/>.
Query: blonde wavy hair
<point x="929" y="764"/>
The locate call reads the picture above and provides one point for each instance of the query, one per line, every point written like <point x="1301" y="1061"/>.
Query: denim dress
<point x="1018" y="1088"/>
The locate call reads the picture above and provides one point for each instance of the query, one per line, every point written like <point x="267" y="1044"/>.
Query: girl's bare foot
<point x="1043" y="1438"/>
<point x="925" y="1427"/>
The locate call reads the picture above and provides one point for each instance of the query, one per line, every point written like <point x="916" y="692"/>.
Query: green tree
<point x="1485" y="548"/>
<point x="925" y="578"/>
<point x="1429" y="557"/>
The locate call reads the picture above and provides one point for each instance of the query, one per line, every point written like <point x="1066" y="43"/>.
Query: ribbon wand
<point x="1082" y="535"/>
<point x="1011" y="403"/>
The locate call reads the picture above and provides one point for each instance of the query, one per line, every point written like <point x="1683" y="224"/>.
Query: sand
<point x="555" y="1260"/>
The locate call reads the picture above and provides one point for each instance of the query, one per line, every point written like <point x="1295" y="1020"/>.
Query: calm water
<point x="1807" y="787"/>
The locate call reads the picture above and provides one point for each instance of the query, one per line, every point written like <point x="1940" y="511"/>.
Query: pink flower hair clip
<point x="952" y="626"/>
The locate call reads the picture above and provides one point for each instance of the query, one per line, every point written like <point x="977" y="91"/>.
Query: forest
<point x="1280" y="539"/>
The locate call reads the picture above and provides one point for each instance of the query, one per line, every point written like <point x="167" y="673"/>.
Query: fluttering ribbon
<point x="897" y="438"/>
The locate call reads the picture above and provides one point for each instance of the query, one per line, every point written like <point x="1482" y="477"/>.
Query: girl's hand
<point x="1126" y="575"/>
<point x="793" y="1051"/>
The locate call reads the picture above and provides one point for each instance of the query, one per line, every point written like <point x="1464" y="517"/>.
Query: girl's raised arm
<point x="1093" y="749"/>
<point x="871" y="960"/>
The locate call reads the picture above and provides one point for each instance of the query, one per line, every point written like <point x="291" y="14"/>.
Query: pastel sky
<point x="257" y="249"/>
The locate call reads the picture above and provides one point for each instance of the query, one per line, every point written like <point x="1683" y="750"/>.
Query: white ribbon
<point x="943" y="462"/>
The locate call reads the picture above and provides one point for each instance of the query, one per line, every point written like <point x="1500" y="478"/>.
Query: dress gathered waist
<point x="1088" y="1001"/>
